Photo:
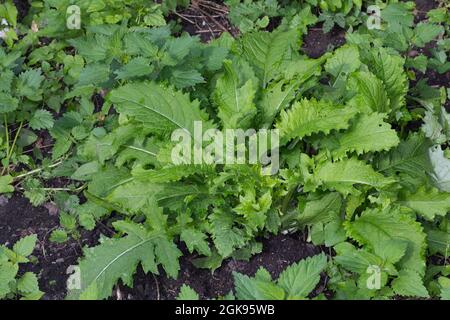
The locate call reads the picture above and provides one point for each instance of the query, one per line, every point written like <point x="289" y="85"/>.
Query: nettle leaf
<point x="311" y="116"/>
<point x="398" y="14"/>
<point x="258" y="288"/>
<point x="6" y="184"/>
<point x="353" y="259"/>
<point x="426" y="32"/>
<point x="427" y="202"/>
<point x="368" y="133"/>
<point x="375" y="226"/>
<point x="25" y="246"/>
<point x="137" y="67"/>
<point x="186" y="78"/>
<point x="343" y="175"/>
<point x="42" y="119"/>
<point x="8" y="103"/>
<point x="234" y="94"/>
<point x="28" y="285"/>
<point x="29" y="83"/>
<point x="187" y="293"/>
<point x="159" y="108"/>
<point x="8" y="272"/>
<point x="299" y="279"/>
<point x="409" y="283"/>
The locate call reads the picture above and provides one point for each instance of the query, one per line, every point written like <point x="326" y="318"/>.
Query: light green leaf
<point x="266" y="51"/>
<point x="299" y="279"/>
<point x="427" y="202"/>
<point x="426" y="32"/>
<point x="116" y="259"/>
<point x="257" y="288"/>
<point x="322" y="210"/>
<point x="375" y="226"/>
<point x="344" y="61"/>
<point x="5" y="184"/>
<point x="42" y="119"/>
<point x="398" y="14"/>
<point x="368" y="133"/>
<point x="28" y="284"/>
<point x="8" y="272"/>
<point x="343" y="175"/>
<point x="187" y="293"/>
<point x="234" y="94"/>
<point x="311" y="116"/>
<point x="388" y="67"/>
<point x="25" y="246"/>
<point x="409" y="283"/>
<point x="410" y="157"/>
<point x="195" y="240"/>
<point x="226" y="237"/>
<point x="160" y="108"/>
<point x="370" y="92"/>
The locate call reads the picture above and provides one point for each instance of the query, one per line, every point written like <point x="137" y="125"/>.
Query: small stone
<point x="3" y="201"/>
<point x="52" y="208"/>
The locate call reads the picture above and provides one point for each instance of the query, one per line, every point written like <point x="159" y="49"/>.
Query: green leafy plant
<point x="12" y="285"/>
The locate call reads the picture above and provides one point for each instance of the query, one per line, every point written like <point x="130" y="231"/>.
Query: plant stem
<point x="7" y="134"/>
<point x="9" y="150"/>
<point x="287" y="200"/>
<point x="62" y="189"/>
<point x="15" y="139"/>
<point x="37" y="170"/>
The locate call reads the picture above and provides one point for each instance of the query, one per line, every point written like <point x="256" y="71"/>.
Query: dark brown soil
<point x="422" y="7"/>
<point x="206" y="19"/>
<point x="316" y="42"/>
<point x="23" y="7"/>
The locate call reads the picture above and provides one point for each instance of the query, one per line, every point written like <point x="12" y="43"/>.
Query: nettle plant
<point x="56" y="18"/>
<point x="13" y="286"/>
